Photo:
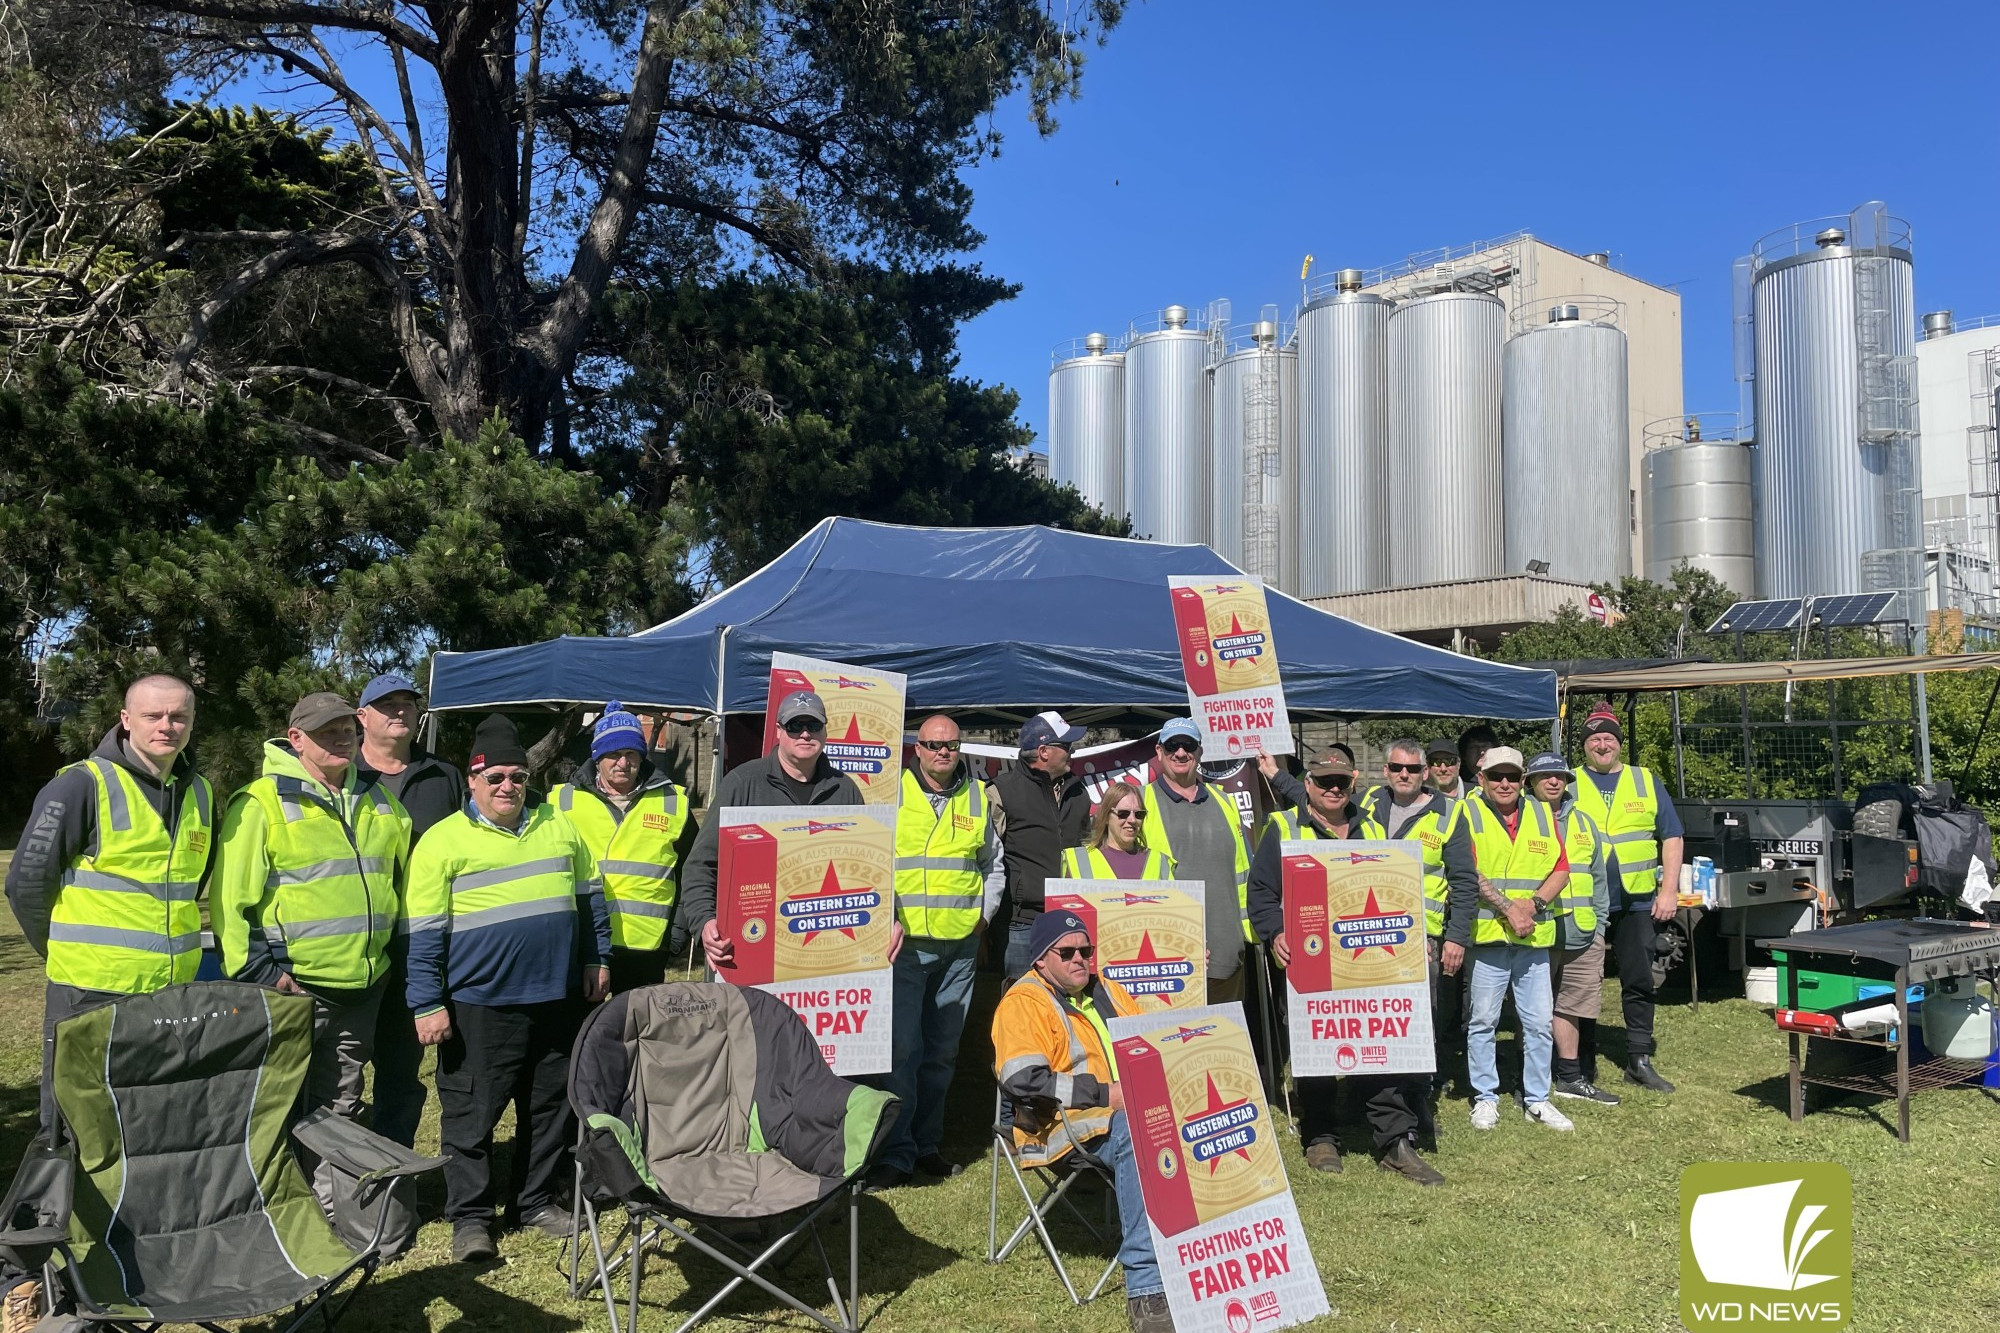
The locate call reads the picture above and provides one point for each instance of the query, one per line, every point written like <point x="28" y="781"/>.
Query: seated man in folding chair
<point x="1045" y="1021"/>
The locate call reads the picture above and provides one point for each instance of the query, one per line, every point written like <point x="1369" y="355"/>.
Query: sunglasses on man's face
<point x="1405" y="768"/>
<point x="804" y="726"/>
<point x="939" y="747"/>
<point x="1445" y="763"/>
<point x="1071" y="952"/>
<point x="497" y="779"/>
<point x="1128" y="814"/>
<point x="1331" y="783"/>
<point x="1181" y="749"/>
<point x="1513" y="779"/>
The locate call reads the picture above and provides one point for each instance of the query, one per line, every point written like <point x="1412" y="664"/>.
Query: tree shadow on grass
<point x="401" y="1300"/>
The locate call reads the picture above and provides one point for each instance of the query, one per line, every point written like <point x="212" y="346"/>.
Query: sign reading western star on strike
<point x="1231" y="665"/>
<point x="1150" y="935"/>
<point x="1358" y="983"/>
<point x="1232" y="1253"/>
<point x="808" y="896"/>
<point x="864" y="719"/>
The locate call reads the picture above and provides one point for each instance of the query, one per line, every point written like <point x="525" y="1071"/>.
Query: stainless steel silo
<point x="1833" y="326"/>
<point x="1087" y="423"/>
<point x="1568" y="475"/>
<point x="1342" y="493"/>
<point x="1698" y="504"/>
<point x="1444" y="438"/>
<point x="1168" y="418"/>
<point x="1255" y="457"/>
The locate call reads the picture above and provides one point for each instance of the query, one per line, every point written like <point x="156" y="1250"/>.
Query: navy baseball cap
<point x="1548" y="764"/>
<point x="1048" y="729"/>
<point x="389" y="682"/>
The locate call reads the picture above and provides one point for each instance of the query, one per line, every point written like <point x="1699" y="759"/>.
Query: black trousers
<point x="496" y="1055"/>
<point x="633" y="968"/>
<point x="1390" y="1101"/>
<point x="1631" y="937"/>
<point x="1448" y="1009"/>
<point x="399" y="1060"/>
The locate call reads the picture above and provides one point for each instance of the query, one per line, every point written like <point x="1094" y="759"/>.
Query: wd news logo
<point x="1766" y="1245"/>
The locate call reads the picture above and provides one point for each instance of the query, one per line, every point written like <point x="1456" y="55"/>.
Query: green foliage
<point x="786" y="403"/>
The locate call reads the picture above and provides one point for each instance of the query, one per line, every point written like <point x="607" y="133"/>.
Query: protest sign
<point x="864" y="719"/>
<point x="1225" y="1230"/>
<point x="808" y="896"/>
<point x="1358" y="986"/>
<point x="1149" y="934"/>
<point x="1231" y="665"/>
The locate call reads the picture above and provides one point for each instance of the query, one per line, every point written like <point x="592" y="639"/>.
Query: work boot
<point x="884" y="1178"/>
<point x="1641" y="1071"/>
<point x="1323" y="1155"/>
<point x="472" y="1242"/>
<point x="1149" y="1314"/>
<point x="22" y="1309"/>
<point x="1402" y="1159"/>
<point x="551" y="1219"/>
<point x="937" y="1164"/>
<point x="1583" y="1090"/>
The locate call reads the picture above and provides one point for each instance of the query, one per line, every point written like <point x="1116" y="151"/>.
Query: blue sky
<point x="1218" y="142"/>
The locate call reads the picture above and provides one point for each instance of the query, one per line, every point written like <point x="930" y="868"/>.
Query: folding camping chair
<point x="701" y="1104"/>
<point x="1055" y="1181"/>
<point x="168" y="1193"/>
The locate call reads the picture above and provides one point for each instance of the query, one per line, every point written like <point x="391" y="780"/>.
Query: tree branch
<point x="295" y="249"/>
<point x="770" y="240"/>
<point x="404" y="422"/>
<point x="368" y="19"/>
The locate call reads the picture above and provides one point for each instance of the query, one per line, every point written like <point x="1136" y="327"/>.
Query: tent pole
<point x="721" y="643"/>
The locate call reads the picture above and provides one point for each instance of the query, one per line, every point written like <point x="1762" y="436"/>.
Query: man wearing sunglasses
<point x="1053" y="1055"/>
<point x="1523" y="869"/>
<point x="1040" y="809"/>
<point x="1196" y="824"/>
<point x="1444" y="771"/>
<point x="508" y="929"/>
<point x="795" y="772"/>
<point x="1330" y="812"/>
<point x="1406" y="808"/>
<point x="950" y="874"/>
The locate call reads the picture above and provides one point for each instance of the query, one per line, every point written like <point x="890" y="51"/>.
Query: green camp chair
<point x="168" y="1192"/>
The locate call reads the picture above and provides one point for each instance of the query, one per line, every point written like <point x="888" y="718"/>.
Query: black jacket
<point x="63" y="826"/>
<point x="1039" y="820"/>
<point x="432" y="789"/>
<point x="759" y="782"/>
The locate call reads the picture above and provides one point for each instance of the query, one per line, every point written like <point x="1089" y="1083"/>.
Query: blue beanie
<point x="1050" y="927"/>
<point x="616" y="730"/>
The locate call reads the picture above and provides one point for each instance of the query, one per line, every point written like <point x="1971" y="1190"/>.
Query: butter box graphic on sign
<point x="1225" y="636"/>
<point x="811" y="895"/>
<point x="1204" y="1143"/>
<point x="1150" y="935"/>
<point x="864" y="719"/>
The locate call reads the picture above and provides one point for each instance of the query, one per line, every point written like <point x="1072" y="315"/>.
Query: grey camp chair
<point x="1044" y="1189"/>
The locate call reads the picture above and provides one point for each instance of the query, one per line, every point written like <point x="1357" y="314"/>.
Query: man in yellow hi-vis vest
<point x="116" y="851"/>
<point x="1576" y="964"/>
<point x="950" y="874"/>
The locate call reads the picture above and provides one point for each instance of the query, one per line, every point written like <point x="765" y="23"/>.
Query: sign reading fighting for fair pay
<point x="808" y="895"/>
<point x="1223" y="627"/>
<point x="1358" y="986"/>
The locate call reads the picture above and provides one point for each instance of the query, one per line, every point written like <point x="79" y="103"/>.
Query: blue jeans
<point x="1135" y="1246"/>
<point x="933" y="996"/>
<point x="1496" y="967"/>
<point x="1019" y="961"/>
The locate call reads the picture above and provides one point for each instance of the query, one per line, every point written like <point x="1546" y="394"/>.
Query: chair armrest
<point x="36" y="1211"/>
<point x="1082" y="1149"/>
<point x="358" y="1150"/>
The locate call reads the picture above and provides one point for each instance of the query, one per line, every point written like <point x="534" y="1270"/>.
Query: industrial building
<point x="1534" y="395"/>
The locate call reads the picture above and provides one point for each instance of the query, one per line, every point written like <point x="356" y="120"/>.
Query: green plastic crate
<point x="1820" y="990"/>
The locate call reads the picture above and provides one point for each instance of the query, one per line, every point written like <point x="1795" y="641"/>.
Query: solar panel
<point x="1864" y="608"/>
<point x="1752" y="617"/>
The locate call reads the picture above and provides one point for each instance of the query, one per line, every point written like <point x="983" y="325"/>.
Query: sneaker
<point x="937" y="1164"/>
<point x="884" y="1178"/>
<point x="1641" y="1071"/>
<point x="1543" y="1113"/>
<point x="1486" y="1113"/>
<point x="1149" y="1314"/>
<point x="22" y="1308"/>
<point x="1583" y="1090"/>
<point x="551" y="1219"/>
<point x="1323" y="1155"/>
<point x="1402" y="1159"/>
<point x="472" y="1242"/>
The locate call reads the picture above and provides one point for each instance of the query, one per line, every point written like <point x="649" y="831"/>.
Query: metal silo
<point x="1698" y="501"/>
<point x="1087" y="422"/>
<point x="1167" y="428"/>
<point x="1444" y="438"/>
<point x="1568" y="474"/>
<point x="1839" y="503"/>
<point x="1255" y="457"/>
<point x="1342" y="493"/>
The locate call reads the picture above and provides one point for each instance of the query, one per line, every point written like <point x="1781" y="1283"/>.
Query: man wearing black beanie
<point x="508" y="933"/>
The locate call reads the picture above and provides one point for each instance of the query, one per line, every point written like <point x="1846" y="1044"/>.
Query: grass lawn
<point x="1535" y="1230"/>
